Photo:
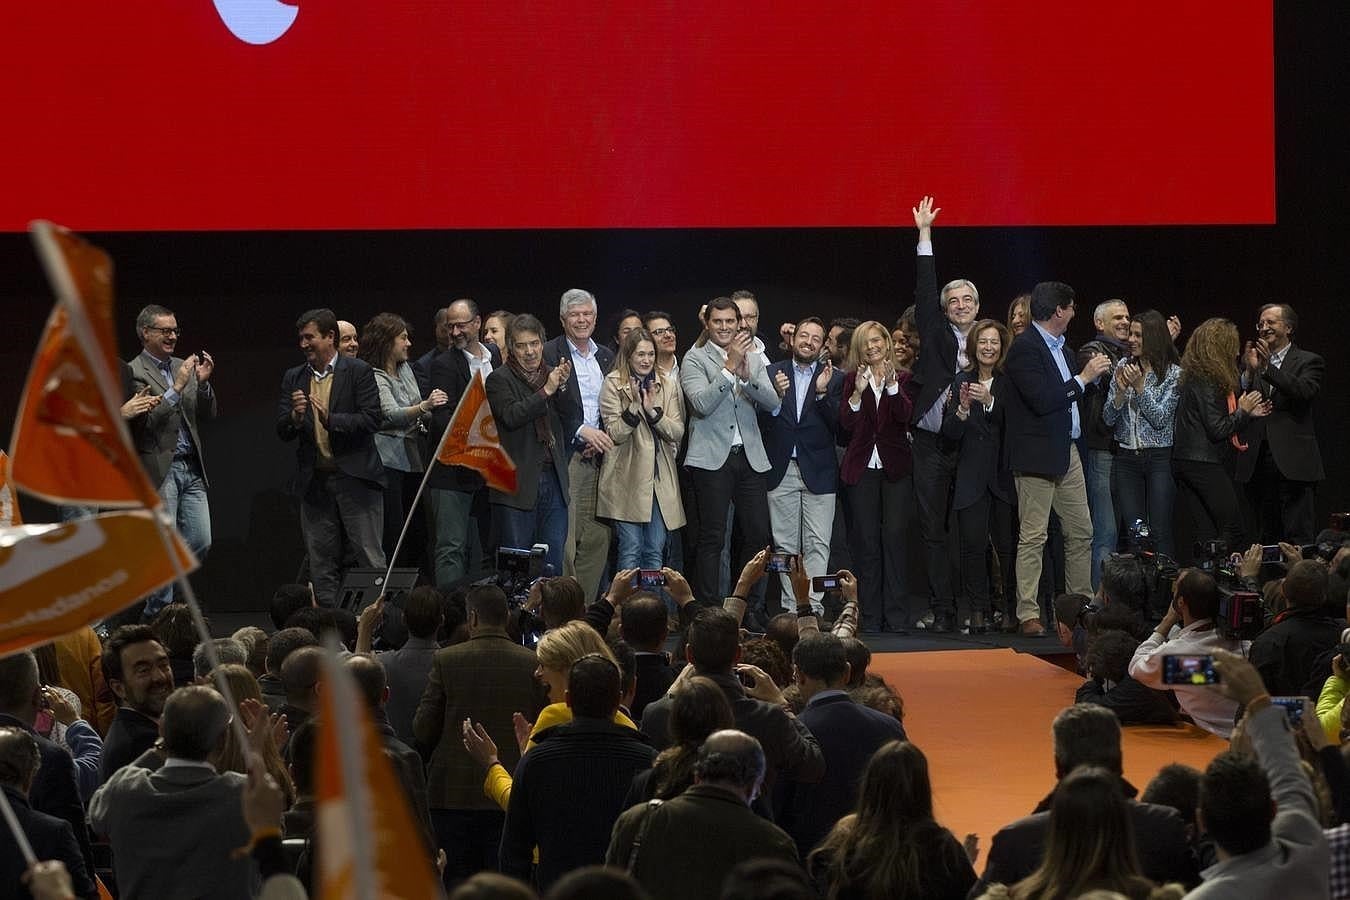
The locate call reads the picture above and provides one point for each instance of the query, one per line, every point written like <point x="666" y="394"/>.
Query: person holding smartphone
<point x="643" y="413"/>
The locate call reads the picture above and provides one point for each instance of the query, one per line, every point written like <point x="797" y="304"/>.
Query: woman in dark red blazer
<point x="876" y="472"/>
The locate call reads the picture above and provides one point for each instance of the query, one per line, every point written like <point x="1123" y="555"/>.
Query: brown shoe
<point x="1031" y="628"/>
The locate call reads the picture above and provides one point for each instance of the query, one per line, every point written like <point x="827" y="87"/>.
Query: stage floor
<point x="982" y="717"/>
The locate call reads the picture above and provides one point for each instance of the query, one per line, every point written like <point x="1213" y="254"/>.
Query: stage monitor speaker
<point x="361" y="587"/>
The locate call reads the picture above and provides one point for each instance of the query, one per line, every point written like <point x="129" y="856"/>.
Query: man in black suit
<point x="1089" y="735"/>
<point x="331" y="406"/>
<point x="643" y="623"/>
<point x="1043" y="424"/>
<point x="54" y="789"/>
<point x="422" y="365"/>
<point x="50" y="837"/>
<point x="799" y="438"/>
<point x="587" y="548"/>
<point x="849" y="733"/>
<point x="944" y="318"/>
<point x="456" y="494"/>
<point x="138" y="673"/>
<point x="1282" y="464"/>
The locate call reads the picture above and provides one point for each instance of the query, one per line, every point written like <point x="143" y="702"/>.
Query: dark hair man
<point x="662" y="329"/>
<point x="579" y="406"/>
<point x="675" y="859"/>
<point x="167" y="438"/>
<point x="713" y="648"/>
<point x="440" y="334"/>
<point x="848" y="733"/>
<point x="1282" y="463"/>
<point x="1188" y="629"/>
<point x="331" y="407"/>
<point x="568" y="790"/>
<point x="837" y="339"/>
<point x="726" y="385"/>
<point x="51" y="838"/>
<point x="1111" y="318"/>
<point x="1286" y="653"/>
<point x="281" y="645"/>
<point x="460" y="536"/>
<point x="486" y="678"/>
<point x="527" y="408"/>
<point x="1109" y="684"/>
<point x="643" y="623"/>
<point x="1089" y="735"/>
<point x="1043" y="423"/>
<point x="184" y="811"/>
<point x="137" y="670"/>
<point x="408" y="667"/>
<point x="799" y="439"/>
<point x="1123" y="582"/>
<point x="286" y="601"/>
<point x="54" y="791"/>
<point x="1261" y="812"/>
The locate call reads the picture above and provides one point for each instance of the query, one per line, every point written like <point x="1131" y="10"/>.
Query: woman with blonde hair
<point x="233" y="758"/>
<point x="876" y="470"/>
<point x="1210" y="415"/>
<point x="643" y="413"/>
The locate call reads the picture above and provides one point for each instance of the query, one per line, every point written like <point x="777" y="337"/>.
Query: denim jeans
<point x="642" y="544"/>
<point x="184" y="495"/>
<point x="545" y="524"/>
<point x="1145" y="490"/>
<point x="1102" y="504"/>
<point x="455" y="555"/>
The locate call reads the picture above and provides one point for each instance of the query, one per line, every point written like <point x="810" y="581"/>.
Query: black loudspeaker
<point x="361" y="587"/>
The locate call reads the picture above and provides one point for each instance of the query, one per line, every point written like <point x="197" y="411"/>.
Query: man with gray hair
<point x="228" y="650"/>
<point x="587" y="546"/>
<point x="674" y="859"/>
<point x="1112" y="321"/>
<point x="167" y="438"/>
<point x="178" y="827"/>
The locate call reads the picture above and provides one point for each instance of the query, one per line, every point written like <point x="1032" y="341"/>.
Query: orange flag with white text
<point x="9" y="499"/>
<point x="365" y="839"/>
<point x="70" y="443"/>
<point x="57" y="577"/>
<point x="470" y="440"/>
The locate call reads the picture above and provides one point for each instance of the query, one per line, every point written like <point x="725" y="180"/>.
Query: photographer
<point x="1286" y="653"/>
<point x="1109" y="683"/>
<point x="1189" y="629"/>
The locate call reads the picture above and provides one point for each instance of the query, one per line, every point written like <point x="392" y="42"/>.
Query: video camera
<point x="1242" y="614"/>
<point x="516" y="572"/>
<point x="1159" y="570"/>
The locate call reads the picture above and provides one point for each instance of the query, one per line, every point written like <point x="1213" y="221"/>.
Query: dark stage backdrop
<point x="237" y="293"/>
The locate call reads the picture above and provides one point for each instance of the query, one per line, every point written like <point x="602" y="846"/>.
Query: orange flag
<point x="9" y="500"/>
<point x="70" y="444"/>
<point x="367" y="844"/>
<point x="470" y="440"/>
<point x="57" y="577"/>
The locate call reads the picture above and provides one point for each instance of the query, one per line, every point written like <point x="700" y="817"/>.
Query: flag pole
<point x="412" y="507"/>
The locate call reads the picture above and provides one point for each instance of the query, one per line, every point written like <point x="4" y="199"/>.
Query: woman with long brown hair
<point x="1210" y="414"/>
<point x="233" y="758"/>
<point x="892" y="846"/>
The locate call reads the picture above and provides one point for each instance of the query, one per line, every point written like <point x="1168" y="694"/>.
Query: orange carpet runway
<point x="982" y="717"/>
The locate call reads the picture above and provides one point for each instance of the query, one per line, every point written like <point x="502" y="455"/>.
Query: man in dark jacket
<point x="1286" y="653"/>
<point x="569" y="789"/>
<point x="137" y="669"/>
<point x="643" y="623"/>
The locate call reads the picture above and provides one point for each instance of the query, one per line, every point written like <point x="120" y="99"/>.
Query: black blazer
<point x="1204" y="424"/>
<point x="979" y="464"/>
<point x="936" y="365"/>
<point x="450" y="372"/>
<point x="1038" y="418"/>
<point x="514" y="408"/>
<point x="569" y="400"/>
<point x="353" y="418"/>
<point x="813" y="435"/>
<point x="51" y="838"/>
<point x="1288" y="429"/>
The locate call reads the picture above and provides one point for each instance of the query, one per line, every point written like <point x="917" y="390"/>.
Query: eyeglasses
<point x="662" y="332"/>
<point x="166" y="331"/>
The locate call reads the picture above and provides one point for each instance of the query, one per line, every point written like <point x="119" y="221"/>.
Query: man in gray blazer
<point x="167" y="438"/>
<point x="175" y="830"/>
<point x="726" y="385"/>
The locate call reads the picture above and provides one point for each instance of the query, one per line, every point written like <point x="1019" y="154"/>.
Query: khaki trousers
<point x="1036" y="496"/>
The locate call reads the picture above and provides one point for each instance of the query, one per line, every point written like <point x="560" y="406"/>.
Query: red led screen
<point x="379" y="114"/>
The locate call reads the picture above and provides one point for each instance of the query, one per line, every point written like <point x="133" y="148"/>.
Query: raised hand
<point x="205" y="366"/>
<point x="1174" y="327"/>
<point x="1096" y="366"/>
<point x="924" y="214"/>
<point x="480" y="746"/>
<point x="185" y="373"/>
<point x="859" y="383"/>
<point x="557" y="377"/>
<point x="823" y="378"/>
<point x="781" y="383"/>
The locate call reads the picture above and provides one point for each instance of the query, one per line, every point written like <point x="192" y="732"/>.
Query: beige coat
<point x="640" y="464"/>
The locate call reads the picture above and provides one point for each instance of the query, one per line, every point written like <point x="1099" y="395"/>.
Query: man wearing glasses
<point x="458" y="496"/>
<point x="167" y="438"/>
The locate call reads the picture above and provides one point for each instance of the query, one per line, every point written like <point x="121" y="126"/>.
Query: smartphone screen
<point x="822" y="583"/>
<point x="650" y="578"/>
<point x="779" y="562"/>
<point x="1194" y="670"/>
<point x="1270" y="553"/>
<point x="1293" y="709"/>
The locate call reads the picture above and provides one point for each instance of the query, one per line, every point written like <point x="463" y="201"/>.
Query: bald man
<point x="347" y="343"/>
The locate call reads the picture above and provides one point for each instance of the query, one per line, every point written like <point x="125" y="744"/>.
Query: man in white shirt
<point x="1188" y="630"/>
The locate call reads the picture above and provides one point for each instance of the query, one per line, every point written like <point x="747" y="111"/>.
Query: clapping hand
<point x="781" y="383"/>
<point x="1097" y="365"/>
<point x="479" y="744"/>
<point x="823" y="379"/>
<point x="205" y="366"/>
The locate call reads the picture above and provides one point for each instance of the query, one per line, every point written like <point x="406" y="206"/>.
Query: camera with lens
<point x="1159" y="569"/>
<point x="516" y="572"/>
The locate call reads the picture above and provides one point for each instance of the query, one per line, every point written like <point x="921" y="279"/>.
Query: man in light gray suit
<point x="174" y="831"/>
<point x="726" y="385"/>
<point x="166" y="437"/>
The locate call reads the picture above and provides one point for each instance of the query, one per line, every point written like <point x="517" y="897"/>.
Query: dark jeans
<point x="545" y="524"/>
<point x="880" y="511"/>
<point x="736" y="482"/>
<point x="987" y="520"/>
<point x="333" y="504"/>
<point x="399" y="490"/>
<point x="470" y="838"/>
<point x="1208" y="500"/>
<point x="1284" y="509"/>
<point x="1142" y="481"/>
<point x="934" y="469"/>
